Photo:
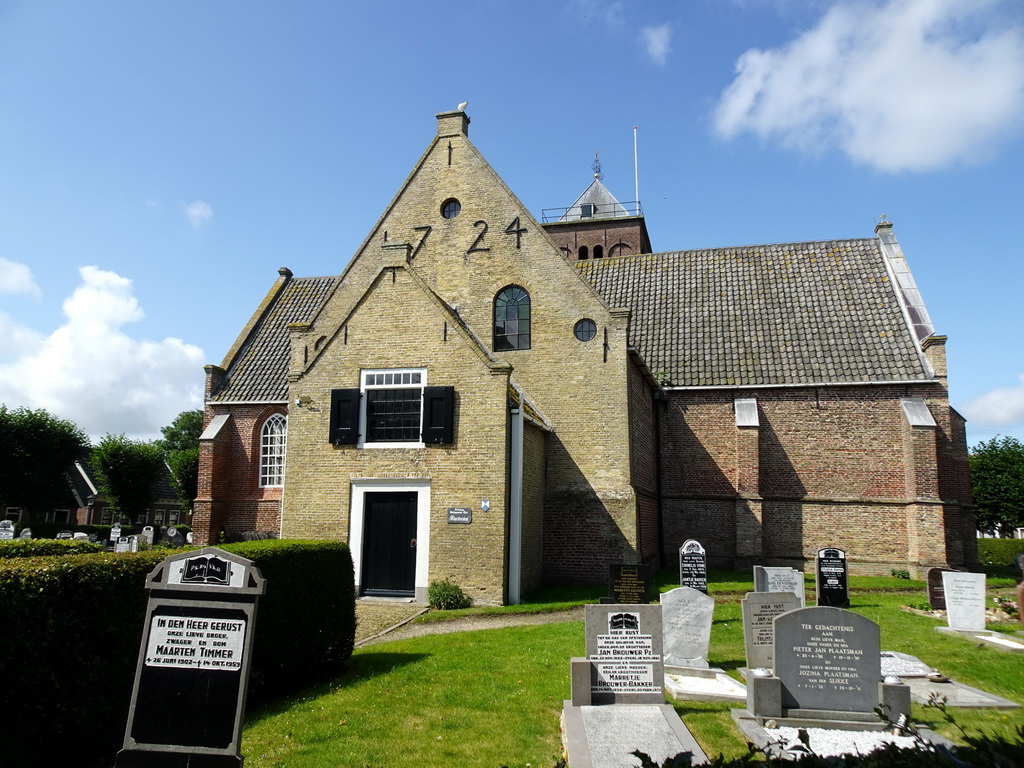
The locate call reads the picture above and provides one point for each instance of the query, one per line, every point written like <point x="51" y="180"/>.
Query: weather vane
<point x="596" y="167"/>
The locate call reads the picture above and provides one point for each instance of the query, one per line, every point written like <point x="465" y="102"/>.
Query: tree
<point x="997" y="484"/>
<point x="127" y="471"/>
<point x="36" y="451"/>
<point x="181" y="450"/>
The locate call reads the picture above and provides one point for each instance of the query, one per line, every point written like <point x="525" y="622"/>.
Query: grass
<point x="492" y="698"/>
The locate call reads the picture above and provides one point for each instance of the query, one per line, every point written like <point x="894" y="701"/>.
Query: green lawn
<point x="492" y="698"/>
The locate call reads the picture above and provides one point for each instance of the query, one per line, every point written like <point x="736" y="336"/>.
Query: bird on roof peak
<point x="462" y="106"/>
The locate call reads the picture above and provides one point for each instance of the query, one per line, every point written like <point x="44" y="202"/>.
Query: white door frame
<point x="363" y="485"/>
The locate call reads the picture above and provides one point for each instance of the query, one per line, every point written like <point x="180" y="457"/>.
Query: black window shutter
<point x="438" y="414"/>
<point x="344" y="416"/>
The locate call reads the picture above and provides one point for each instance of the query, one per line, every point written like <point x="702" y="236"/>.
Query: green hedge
<point x="75" y="626"/>
<point x="999" y="551"/>
<point x="46" y="547"/>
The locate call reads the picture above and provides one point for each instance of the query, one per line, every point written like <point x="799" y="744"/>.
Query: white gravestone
<point x="965" y="599"/>
<point x="780" y="580"/>
<point x="686" y="615"/>
<point x="6" y="530"/>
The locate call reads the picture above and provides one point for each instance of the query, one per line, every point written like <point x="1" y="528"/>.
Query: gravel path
<point x="379" y="622"/>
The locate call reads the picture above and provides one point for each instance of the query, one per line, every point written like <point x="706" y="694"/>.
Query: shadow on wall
<point x="581" y="537"/>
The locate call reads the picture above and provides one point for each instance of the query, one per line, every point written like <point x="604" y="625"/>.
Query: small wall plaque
<point x="460" y="515"/>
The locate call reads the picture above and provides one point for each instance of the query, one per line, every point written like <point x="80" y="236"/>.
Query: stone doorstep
<point x="652" y="728"/>
<point x="997" y="640"/>
<point x="758" y="735"/>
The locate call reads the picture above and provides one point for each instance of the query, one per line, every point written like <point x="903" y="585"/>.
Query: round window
<point x="450" y="208"/>
<point x="585" y="329"/>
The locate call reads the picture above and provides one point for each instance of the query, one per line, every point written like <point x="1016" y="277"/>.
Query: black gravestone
<point x="193" y="667"/>
<point x="936" y="590"/>
<point x="831" y="578"/>
<point x="628" y="584"/>
<point x="693" y="566"/>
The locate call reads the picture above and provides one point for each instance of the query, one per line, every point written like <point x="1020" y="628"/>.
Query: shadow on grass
<point x="362" y="666"/>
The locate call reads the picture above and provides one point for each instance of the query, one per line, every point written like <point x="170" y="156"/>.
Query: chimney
<point x="453" y="123"/>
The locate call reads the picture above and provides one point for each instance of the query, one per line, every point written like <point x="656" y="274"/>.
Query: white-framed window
<point x="13" y="513"/>
<point x="58" y="516"/>
<point x="391" y="407"/>
<point x="272" y="446"/>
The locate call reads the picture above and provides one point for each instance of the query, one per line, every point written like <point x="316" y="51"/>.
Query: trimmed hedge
<point x="46" y="547"/>
<point x="999" y="551"/>
<point x="75" y="627"/>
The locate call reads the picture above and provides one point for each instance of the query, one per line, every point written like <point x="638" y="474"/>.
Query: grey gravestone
<point x="64" y="535"/>
<point x="628" y="584"/>
<point x="759" y="610"/>
<point x="121" y="545"/>
<point x="693" y="566"/>
<point x="903" y="665"/>
<point x="175" y="537"/>
<point x="6" y="530"/>
<point x="194" y="655"/>
<point x="1020" y="603"/>
<point x="133" y="543"/>
<point x="830" y="578"/>
<point x="686" y="616"/>
<point x="936" y="594"/>
<point x="147" y="535"/>
<point x="26" y="533"/>
<point x="965" y="599"/>
<point x="624" y="647"/>
<point x="780" y="580"/>
<point x="79" y="536"/>
<point x="1020" y="561"/>
<point x="115" y="531"/>
<point x="828" y="659"/>
<point x="93" y="538"/>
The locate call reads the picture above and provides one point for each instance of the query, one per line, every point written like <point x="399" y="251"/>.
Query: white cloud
<point x="1003" y="406"/>
<point x="198" y="213"/>
<point x="657" y="42"/>
<point x="895" y="84"/>
<point x="91" y="372"/>
<point x="17" y="278"/>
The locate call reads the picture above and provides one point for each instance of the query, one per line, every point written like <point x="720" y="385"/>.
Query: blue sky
<point x="160" y="161"/>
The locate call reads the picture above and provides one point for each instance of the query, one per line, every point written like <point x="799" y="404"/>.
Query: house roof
<point x="604" y="202"/>
<point x="258" y="370"/>
<point x="792" y="313"/>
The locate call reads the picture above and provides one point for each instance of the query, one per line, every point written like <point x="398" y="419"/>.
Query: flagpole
<point x="636" y="174"/>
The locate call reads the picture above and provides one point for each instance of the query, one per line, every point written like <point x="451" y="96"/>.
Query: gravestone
<point x="936" y="592"/>
<point x="759" y="611"/>
<point x="175" y="537"/>
<point x="1020" y="562"/>
<point x="624" y="648"/>
<point x="26" y="533"/>
<point x="965" y="600"/>
<point x="147" y="535"/>
<point x="6" y="530"/>
<point x="830" y="578"/>
<point x="121" y="545"/>
<point x="79" y="536"/>
<point x="193" y="666"/>
<point x="686" y="615"/>
<point x="828" y="659"/>
<point x="115" y="532"/>
<point x="133" y="543"/>
<point x="93" y="538"/>
<point x="693" y="566"/>
<point x="628" y="584"/>
<point x="64" y="534"/>
<point x="770" y="579"/>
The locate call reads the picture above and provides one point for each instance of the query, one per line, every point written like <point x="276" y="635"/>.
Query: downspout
<point x="515" y="525"/>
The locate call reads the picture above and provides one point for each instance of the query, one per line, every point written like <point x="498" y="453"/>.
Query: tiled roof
<point x="796" y="313"/>
<point x="259" y="371"/>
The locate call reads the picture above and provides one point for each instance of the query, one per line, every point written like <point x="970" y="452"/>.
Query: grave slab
<point x="713" y="685"/>
<point x="605" y="736"/>
<point x="956" y="694"/>
<point x="995" y="640"/>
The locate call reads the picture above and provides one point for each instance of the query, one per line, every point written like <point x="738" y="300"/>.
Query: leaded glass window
<point x="512" y="319"/>
<point x="272" y="443"/>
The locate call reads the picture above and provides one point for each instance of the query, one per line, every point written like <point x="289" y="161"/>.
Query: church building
<point x="505" y="401"/>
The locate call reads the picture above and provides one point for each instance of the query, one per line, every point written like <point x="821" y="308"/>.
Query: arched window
<point x="598" y="252"/>
<point x="272" y="442"/>
<point x="512" y="319"/>
<point x="584" y="253"/>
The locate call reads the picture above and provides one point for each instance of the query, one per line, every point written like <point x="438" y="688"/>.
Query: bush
<point x="1001" y="552"/>
<point x="46" y="547"/>
<point x="77" y="622"/>
<point x="446" y="595"/>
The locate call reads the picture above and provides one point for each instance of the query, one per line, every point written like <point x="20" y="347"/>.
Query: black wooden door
<point x="389" y="544"/>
